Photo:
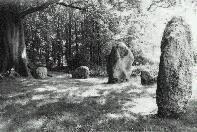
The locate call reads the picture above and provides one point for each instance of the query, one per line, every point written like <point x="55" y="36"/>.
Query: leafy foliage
<point x="57" y="34"/>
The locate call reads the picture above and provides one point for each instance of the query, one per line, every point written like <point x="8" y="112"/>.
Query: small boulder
<point x="81" y="72"/>
<point x="41" y="73"/>
<point x="148" y="78"/>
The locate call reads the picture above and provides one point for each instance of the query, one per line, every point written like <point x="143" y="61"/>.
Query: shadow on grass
<point x="64" y="104"/>
<point x="39" y="105"/>
<point x="92" y="113"/>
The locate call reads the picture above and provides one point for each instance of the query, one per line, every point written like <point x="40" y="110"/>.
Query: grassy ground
<point x="64" y="104"/>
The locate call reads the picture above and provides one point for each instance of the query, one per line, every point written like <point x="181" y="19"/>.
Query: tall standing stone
<point x="119" y="64"/>
<point x="174" y="84"/>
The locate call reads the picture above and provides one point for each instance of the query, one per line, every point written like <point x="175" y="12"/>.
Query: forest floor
<point x="61" y="103"/>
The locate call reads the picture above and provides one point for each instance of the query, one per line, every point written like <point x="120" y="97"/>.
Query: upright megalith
<point x="174" y="82"/>
<point x="119" y="63"/>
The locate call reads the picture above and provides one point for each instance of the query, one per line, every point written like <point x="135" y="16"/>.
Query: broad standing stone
<point x="119" y="64"/>
<point x="174" y="83"/>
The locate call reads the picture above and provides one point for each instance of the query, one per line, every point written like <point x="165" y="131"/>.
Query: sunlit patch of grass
<point x="40" y="97"/>
<point x="46" y="101"/>
<point x="46" y="88"/>
<point x="148" y="105"/>
<point x="64" y="104"/>
<point x="35" y="124"/>
<point x="22" y="101"/>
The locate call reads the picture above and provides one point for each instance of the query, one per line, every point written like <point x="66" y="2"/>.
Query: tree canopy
<point x="88" y="27"/>
<point x="25" y="7"/>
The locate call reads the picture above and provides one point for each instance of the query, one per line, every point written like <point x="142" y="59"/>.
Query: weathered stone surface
<point x="174" y="82"/>
<point x="119" y="64"/>
<point x="81" y="72"/>
<point x="148" y="78"/>
<point x="41" y="73"/>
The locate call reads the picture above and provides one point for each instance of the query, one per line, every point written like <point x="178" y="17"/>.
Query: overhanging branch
<point x="46" y="5"/>
<point x="35" y="9"/>
<point x="70" y="5"/>
<point x="162" y="4"/>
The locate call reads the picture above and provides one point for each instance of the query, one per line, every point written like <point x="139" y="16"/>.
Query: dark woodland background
<point x="58" y="35"/>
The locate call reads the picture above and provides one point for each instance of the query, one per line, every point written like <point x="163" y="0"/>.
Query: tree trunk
<point x="12" y="44"/>
<point x="98" y="44"/>
<point x="70" y="35"/>
<point x="58" y="44"/>
<point x="76" y="38"/>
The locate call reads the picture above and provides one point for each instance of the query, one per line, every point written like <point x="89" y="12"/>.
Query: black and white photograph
<point x="98" y="65"/>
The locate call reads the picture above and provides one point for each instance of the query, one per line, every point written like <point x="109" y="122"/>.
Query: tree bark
<point x="12" y="43"/>
<point x="76" y="38"/>
<point x="70" y="35"/>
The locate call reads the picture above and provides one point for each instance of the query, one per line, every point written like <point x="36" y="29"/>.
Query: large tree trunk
<point x="12" y="45"/>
